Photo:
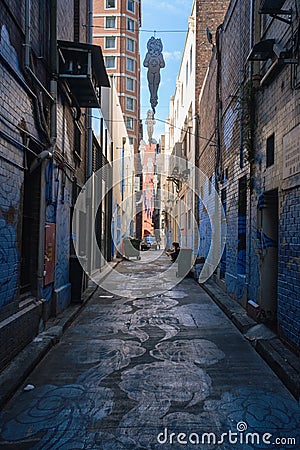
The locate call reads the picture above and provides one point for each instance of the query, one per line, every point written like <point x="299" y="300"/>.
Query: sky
<point x="161" y="16"/>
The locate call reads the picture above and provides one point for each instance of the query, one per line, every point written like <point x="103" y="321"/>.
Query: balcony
<point x="82" y="67"/>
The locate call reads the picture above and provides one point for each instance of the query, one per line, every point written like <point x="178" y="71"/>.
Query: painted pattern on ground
<point x="144" y="371"/>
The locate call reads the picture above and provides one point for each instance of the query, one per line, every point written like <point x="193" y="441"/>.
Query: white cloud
<point x="174" y="7"/>
<point x="172" y="56"/>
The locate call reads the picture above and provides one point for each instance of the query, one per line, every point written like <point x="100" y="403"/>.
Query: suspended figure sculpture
<point x="154" y="60"/>
<point x="150" y="122"/>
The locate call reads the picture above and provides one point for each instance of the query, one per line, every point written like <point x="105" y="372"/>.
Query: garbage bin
<point x="132" y="247"/>
<point x="75" y="276"/>
<point x="184" y="261"/>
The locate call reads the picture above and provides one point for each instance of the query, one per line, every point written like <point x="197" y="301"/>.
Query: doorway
<point x="269" y="248"/>
<point x="30" y="231"/>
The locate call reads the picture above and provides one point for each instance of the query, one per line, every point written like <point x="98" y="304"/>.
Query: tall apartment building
<point x="116" y="26"/>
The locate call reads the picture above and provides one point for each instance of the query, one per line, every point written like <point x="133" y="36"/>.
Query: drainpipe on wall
<point x="255" y="37"/>
<point x="53" y="132"/>
<point x="89" y="111"/>
<point x="219" y="108"/>
<point x="90" y="227"/>
<point x="241" y="88"/>
<point x="52" y="97"/>
<point x="37" y="99"/>
<point x="196" y="181"/>
<point x="28" y="50"/>
<point x="255" y="24"/>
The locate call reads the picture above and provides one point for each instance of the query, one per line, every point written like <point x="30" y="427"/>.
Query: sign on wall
<point x="291" y="152"/>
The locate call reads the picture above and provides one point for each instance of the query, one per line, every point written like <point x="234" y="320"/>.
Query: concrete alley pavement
<point x="163" y="372"/>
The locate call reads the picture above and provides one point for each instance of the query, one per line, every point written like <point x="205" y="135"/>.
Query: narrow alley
<point x="163" y="372"/>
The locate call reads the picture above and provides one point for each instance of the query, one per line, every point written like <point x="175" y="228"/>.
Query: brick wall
<point x="288" y="267"/>
<point x="211" y="15"/>
<point x="278" y="102"/>
<point x="271" y="253"/>
<point x="21" y="106"/>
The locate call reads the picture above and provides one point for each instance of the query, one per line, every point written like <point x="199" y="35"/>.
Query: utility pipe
<point x="89" y="111"/>
<point x="53" y="86"/>
<point x="90" y="206"/>
<point x="54" y="70"/>
<point x="28" y="49"/>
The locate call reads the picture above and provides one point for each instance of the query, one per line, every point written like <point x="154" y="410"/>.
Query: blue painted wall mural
<point x="289" y="268"/>
<point x="205" y="231"/>
<point x="223" y="257"/>
<point x="58" y="201"/>
<point x="10" y="188"/>
<point x="8" y="262"/>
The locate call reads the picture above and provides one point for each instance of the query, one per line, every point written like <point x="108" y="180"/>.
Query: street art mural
<point x="126" y="392"/>
<point x="154" y="61"/>
<point x="199" y="351"/>
<point x="9" y="257"/>
<point x="61" y="413"/>
<point x="167" y="318"/>
<point x="58" y="203"/>
<point x="8" y="51"/>
<point x="106" y="358"/>
<point x="8" y="262"/>
<point x="152" y="386"/>
<point x="289" y="267"/>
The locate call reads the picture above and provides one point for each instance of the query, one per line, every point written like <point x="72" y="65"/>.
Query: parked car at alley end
<point x="149" y="242"/>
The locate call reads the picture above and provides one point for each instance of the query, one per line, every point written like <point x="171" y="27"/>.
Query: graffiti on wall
<point x="289" y="268"/>
<point x="8" y="51"/>
<point x="8" y="262"/>
<point x="58" y="211"/>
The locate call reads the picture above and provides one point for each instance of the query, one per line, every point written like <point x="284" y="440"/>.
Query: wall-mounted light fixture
<point x="178" y="177"/>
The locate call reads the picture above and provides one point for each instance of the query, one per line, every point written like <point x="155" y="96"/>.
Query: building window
<point x="76" y="20"/>
<point x="187" y="73"/>
<point x="77" y="140"/>
<point x="130" y="25"/>
<point x="129" y="123"/>
<point x="184" y="146"/>
<point x="181" y="94"/>
<point x="110" y="22"/>
<point x="131" y="141"/>
<point x="189" y="136"/>
<point x="270" y="150"/>
<point x="130" y="5"/>
<point x="191" y="59"/>
<point x="110" y="62"/>
<point x="130" y="103"/>
<point x="110" y="4"/>
<point x="110" y="42"/>
<point x="210" y="185"/>
<point x="130" y="64"/>
<point x="130" y="84"/>
<point x="130" y="45"/>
